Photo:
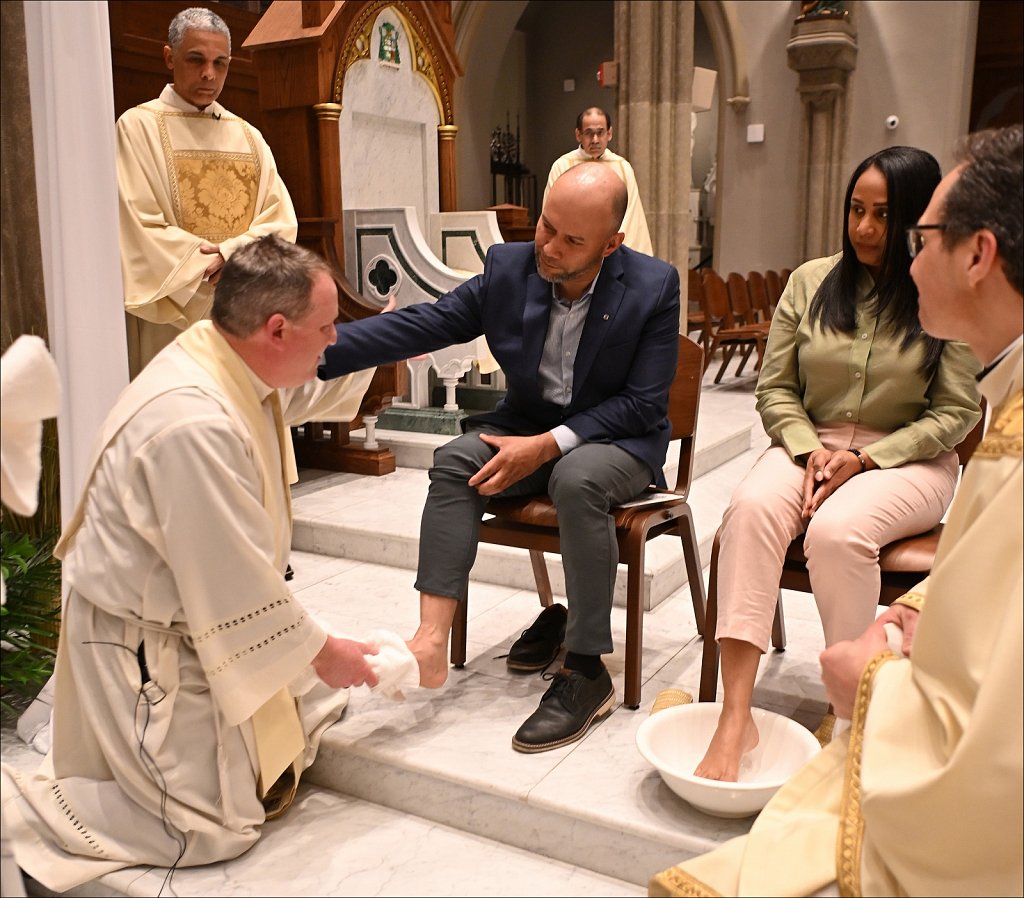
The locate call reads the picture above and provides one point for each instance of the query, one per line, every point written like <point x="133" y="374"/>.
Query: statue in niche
<point x="388" y="51"/>
<point x="822" y="9"/>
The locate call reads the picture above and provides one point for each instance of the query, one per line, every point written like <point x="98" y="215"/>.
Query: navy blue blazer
<point x="624" y="366"/>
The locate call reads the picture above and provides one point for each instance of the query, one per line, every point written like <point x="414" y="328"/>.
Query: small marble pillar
<point x="450" y="383"/>
<point x="370" y="423"/>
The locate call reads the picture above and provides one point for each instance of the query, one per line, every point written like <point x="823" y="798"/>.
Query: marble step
<point x="376" y="519"/>
<point x="446" y="754"/>
<point x="332" y="844"/>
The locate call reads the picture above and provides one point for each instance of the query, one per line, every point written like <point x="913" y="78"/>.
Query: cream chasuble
<point x="924" y="794"/>
<point x="175" y="558"/>
<point x="187" y="177"/>
<point x="634" y="225"/>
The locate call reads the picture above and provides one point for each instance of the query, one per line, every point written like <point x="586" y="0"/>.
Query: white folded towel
<point x="395" y="666"/>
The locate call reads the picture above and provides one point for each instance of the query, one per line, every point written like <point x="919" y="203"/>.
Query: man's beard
<point x="562" y="276"/>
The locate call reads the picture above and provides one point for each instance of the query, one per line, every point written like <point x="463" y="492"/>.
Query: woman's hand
<point x="827" y="471"/>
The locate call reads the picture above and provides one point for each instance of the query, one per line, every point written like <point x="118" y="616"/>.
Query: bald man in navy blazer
<point x="586" y="333"/>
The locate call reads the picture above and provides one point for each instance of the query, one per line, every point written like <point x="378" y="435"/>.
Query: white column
<point x="71" y="88"/>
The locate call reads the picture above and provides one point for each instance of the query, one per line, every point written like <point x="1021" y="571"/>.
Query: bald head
<point x="579" y="226"/>
<point x="594" y="190"/>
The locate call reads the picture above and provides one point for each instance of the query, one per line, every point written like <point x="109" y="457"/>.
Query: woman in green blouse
<point x="850" y="389"/>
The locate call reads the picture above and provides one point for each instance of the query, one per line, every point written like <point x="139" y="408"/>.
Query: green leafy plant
<point x="30" y="618"/>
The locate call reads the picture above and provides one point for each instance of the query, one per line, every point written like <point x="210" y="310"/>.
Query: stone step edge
<point x="140" y="882"/>
<point x="507" y="819"/>
<point x="498" y="565"/>
<point x="416" y="450"/>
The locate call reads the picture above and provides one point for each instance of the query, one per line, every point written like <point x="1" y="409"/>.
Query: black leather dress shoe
<point x="541" y="641"/>
<point x="572" y="703"/>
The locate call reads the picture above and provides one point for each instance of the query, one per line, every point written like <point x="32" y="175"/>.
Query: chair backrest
<point x="695" y="289"/>
<point x="739" y="298"/>
<point x="683" y="405"/>
<point x="784" y="276"/>
<point x="758" y="290"/>
<point x="773" y="284"/>
<point x="965" y="448"/>
<point x="716" y="298"/>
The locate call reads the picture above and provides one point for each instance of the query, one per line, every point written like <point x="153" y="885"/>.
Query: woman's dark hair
<point x="911" y="175"/>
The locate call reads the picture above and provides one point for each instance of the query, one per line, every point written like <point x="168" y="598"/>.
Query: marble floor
<point x="425" y="796"/>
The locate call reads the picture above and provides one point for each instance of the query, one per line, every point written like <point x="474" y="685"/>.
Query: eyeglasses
<point x="915" y="239"/>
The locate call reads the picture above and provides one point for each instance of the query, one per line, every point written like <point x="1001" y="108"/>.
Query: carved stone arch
<point x="730" y="51"/>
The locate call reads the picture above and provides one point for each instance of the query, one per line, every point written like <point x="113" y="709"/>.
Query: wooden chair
<point x="530" y="523"/>
<point x="774" y="286"/>
<point x="728" y="334"/>
<point x="784" y="276"/>
<point x="904" y="564"/>
<point x="757" y="287"/>
<point x="697" y="319"/>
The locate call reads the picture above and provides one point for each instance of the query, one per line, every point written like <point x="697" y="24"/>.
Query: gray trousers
<point x="583" y="485"/>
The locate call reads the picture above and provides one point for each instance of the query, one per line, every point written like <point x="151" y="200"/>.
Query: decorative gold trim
<point x="424" y="57"/>
<point x="850" y="841"/>
<point x="170" y="155"/>
<point x="447" y="132"/>
<point x="327" y="111"/>
<point x="1005" y="435"/>
<point x="676" y="881"/>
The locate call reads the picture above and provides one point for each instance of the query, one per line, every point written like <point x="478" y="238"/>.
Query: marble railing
<point x="389" y="259"/>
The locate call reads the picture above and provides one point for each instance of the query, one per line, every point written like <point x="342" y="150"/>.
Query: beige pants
<point x="842" y="541"/>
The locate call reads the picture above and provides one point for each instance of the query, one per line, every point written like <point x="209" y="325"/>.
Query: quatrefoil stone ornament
<point x="382" y="277"/>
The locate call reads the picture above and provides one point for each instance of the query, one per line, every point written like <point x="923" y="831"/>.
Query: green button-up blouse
<point x="810" y="377"/>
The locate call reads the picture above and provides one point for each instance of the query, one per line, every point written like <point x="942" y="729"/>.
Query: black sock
<point x="588" y="665"/>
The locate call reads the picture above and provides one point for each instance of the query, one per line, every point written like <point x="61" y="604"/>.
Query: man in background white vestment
<point x="593" y="133"/>
<point x="191" y="688"/>
<point x="924" y="793"/>
<point x="195" y="183"/>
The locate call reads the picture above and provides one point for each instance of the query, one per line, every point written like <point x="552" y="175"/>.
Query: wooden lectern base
<point x="325" y="447"/>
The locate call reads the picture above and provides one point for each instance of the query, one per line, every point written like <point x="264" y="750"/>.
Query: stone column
<point x="654" y="49"/>
<point x="823" y="51"/>
<point x="447" y="192"/>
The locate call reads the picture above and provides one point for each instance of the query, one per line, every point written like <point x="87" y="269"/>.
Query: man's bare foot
<point x="735" y="736"/>
<point x="432" y="658"/>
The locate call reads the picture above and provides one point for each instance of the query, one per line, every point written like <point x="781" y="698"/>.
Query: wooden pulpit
<point x="300" y="53"/>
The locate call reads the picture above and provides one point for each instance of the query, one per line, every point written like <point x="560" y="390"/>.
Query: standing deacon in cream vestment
<point x="195" y="184"/>
<point x="924" y="794"/>
<point x="191" y="688"/>
<point x="593" y="132"/>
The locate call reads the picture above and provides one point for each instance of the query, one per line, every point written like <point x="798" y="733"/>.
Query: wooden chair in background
<point x="531" y="523"/>
<point x="728" y="334"/>
<point x="904" y="564"/>
<point x="773" y="284"/>
<point x="747" y="313"/>
<point x="697" y="319"/>
<point x="757" y="287"/>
